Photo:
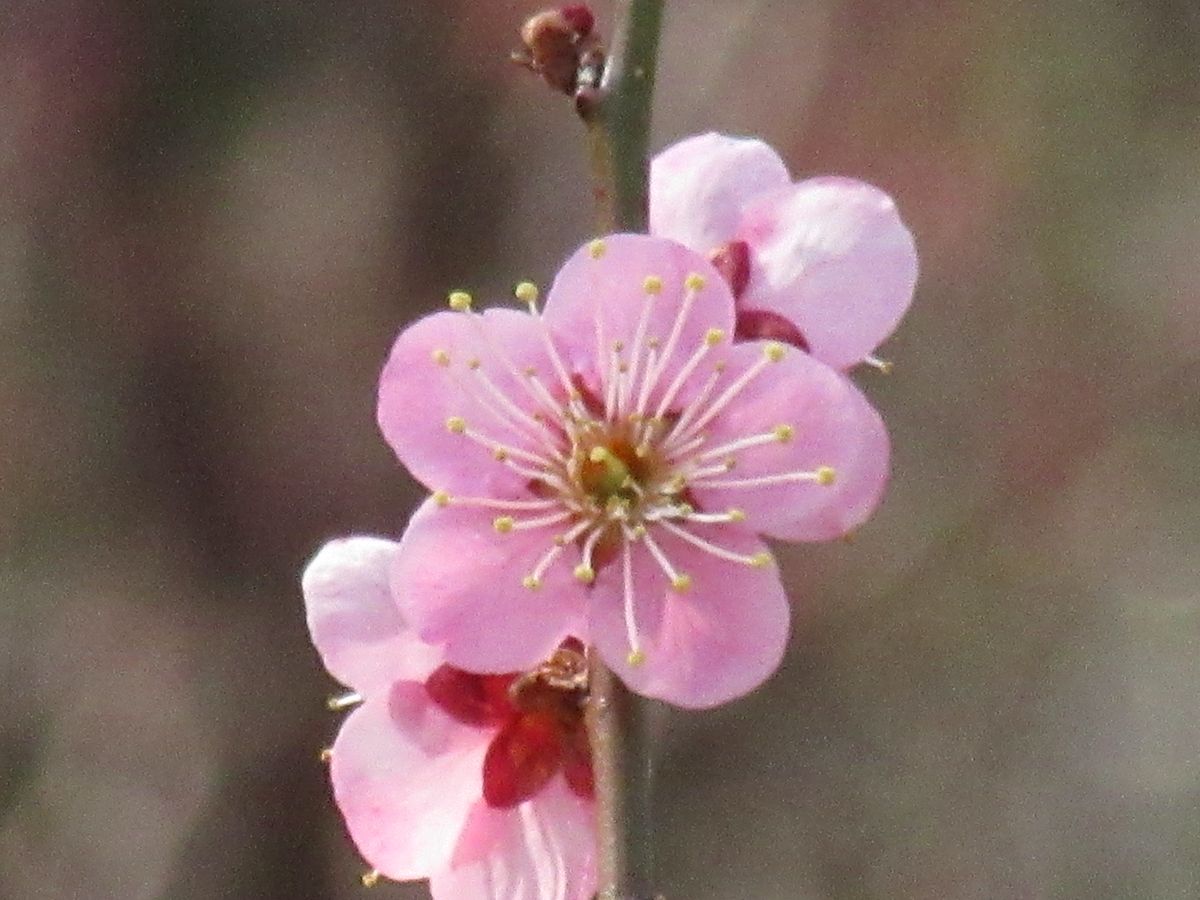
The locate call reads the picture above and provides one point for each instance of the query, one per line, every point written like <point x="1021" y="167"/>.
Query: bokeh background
<point x="215" y="215"/>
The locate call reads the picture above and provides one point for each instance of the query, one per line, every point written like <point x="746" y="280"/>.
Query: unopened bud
<point x="732" y="260"/>
<point x="556" y="42"/>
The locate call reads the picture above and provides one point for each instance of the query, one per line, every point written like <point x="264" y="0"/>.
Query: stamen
<point x="779" y="434"/>
<point x="585" y="571"/>
<point x="460" y="301"/>
<point x="444" y="499"/>
<point x="343" y="701"/>
<point x="680" y="582"/>
<point x="597" y="248"/>
<point x="527" y="293"/>
<point x="771" y="353"/>
<point x="441" y="357"/>
<point x="681" y="316"/>
<point x="502" y="452"/>
<point x="543" y="521"/>
<point x="639" y="338"/>
<point x="757" y="560"/>
<point x="636" y="655"/>
<point x="690" y="411"/>
<point x="533" y="580"/>
<point x="822" y="475"/>
<point x="884" y="366"/>
<point x="326" y="754"/>
<point x="370" y="879"/>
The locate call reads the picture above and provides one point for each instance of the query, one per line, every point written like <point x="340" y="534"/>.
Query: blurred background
<point x="216" y="214"/>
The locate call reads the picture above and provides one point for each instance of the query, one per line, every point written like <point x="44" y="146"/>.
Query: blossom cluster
<point x="603" y="469"/>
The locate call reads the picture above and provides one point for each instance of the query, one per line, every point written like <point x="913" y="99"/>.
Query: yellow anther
<point x="681" y="583"/>
<point x="641" y="451"/>
<point x="685" y="509"/>
<point x="720" y="367"/>
<point x="652" y="285"/>
<point x="737" y="515"/>
<point x="441" y="357"/>
<point x="784" y="433"/>
<point x="653" y="343"/>
<point x="473" y="363"/>
<point x="826" y="475"/>
<point x="531" y="582"/>
<point x="774" y="351"/>
<point x="585" y="573"/>
<point x="694" y="282"/>
<point x="760" y="560"/>
<point x="530" y="371"/>
<point x="456" y="424"/>
<point x="849" y="537"/>
<point x="618" y="346"/>
<point x="597" y="248"/>
<point x="526" y="292"/>
<point x="370" y="879"/>
<point x="460" y="301"/>
<point x="636" y="657"/>
<point x="503" y="524"/>
<point x="885" y="366"/>
<point x="638" y="531"/>
<point x="441" y="498"/>
<point x="499" y="454"/>
<point x="326" y="754"/>
<point x="714" y="336"/>
<point x="599" y="454"/>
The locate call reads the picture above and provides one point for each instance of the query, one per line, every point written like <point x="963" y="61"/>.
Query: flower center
<point x="538" y="720"/>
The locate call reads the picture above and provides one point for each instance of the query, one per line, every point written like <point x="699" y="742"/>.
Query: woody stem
<point x="618" y="121"/>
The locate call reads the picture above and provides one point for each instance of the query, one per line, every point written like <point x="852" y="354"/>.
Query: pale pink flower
<point x="824" y="263"/>
<point x="480" y="783"/>
<point x="603" y="467"/>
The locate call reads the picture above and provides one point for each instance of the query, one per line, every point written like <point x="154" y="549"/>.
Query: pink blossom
<point x="604" y="467"/>
<point x="825" y="263"/>
<point x="480" y="783"/>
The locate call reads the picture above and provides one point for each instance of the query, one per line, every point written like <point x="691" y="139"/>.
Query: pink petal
<point x="834" y="425"/>
<point x="719" y="640"/>
<point x="417" y="396"/>
<point x="405" y="776"/>
<point x="541" y="850"/>
<point x="356" y="626"/>
<point x="699" y="186"/>
<point x="832" y="255"/>
<point x="597" y="301"/>
<point x="465" y="581"/>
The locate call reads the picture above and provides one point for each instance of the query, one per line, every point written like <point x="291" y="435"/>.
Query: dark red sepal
<point x="579" y="16"/>
<point x="577" y="763"/>
<point x="759" y="324"/>
<point x="522" y="758"/>
<point x="732" y="260"/>
<point x="470" y="698"/>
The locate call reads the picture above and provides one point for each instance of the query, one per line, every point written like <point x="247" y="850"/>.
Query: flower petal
<point x="833" y="425"/>
<point x="465" y="581"/>
<point x="541" y="850"/>
<point x="598" y="300"/>
<point x="832" y="255"/>
<point x="699" y="186"/>
<point x="405" y="776"/>
<point x="355" y="624"/>
<point x="719" y="640"/>
<point x="432" y="376"/>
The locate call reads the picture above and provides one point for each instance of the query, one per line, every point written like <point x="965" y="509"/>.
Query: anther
<point x="784" y="433"/>
<point x="737" y="515"/>
<point x="652" y="285"/>
<point x="597" y="248"/>
<point x="343" y="701"/>
<point x="531" y="582"/>
<point x="460" y="301"/>
<point x="826" y="475"/>
<point x="370" y="879"/>
<point x="714" y="336"/>
<point x="760" y="560"/>
<point x="774" y="351"/>
<point x="473" y="363"/>
<point x="326" y="754"/>
<point x="503" y="524"/>
<point x="585" y="573"/>
<point x="500" y="454"/>
<point x="636" y="657"/>
<point x="441" y="498"/>
<point x="638" y="531"/>
<point x="681" y="583"/>
<point x="441" y="357"/>
<point x="456" y="425"/>
<point x="694" y="282"/>
<point x="599" y="454"/>
<point x="526" y="292"/>
<point x="884" y="366"/>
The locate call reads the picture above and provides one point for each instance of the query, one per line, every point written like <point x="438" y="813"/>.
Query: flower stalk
<point x="618" y="117"/>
